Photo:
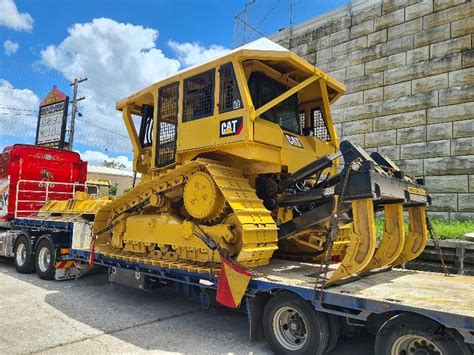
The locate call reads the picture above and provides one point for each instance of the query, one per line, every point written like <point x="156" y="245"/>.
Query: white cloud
<point x="118" y="60"/>
<point x="118" y="53"/>
<point x="192" y="53"/>
<point x="11" y="18"/>
<point x="97" y="158"/>
<point x="18" y="110"/>
<point x="10" y="47"/>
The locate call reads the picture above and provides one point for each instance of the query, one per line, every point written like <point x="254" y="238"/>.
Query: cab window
<point x="229" y="95"/>
<point x="318" y="125"/>
<point x="146" y="126"/>
<point x="198" y="96"/>
<point x="264" y="89"/>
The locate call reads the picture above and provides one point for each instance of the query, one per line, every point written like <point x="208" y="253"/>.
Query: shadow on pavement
<point x="158" y="320"/>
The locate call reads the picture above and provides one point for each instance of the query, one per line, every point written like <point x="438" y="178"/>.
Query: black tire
<point x="45" y="266"/>
<point x="334" y="331"/>
<point x="303" y="316"/>
<point x="23" y="258"/>
<point x="418" y="333"/>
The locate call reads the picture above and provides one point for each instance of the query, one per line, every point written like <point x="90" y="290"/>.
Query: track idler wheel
<point x="362" y="242"/>
<point x="393" y="240"/>
<point x="417" y="236"/>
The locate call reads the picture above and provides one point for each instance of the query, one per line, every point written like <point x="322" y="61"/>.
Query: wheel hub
<point x="21" y="255"/>
<point x="415" y="344"/>
<point x="295" y="326"/>
<point x="44" y="259"/>
<point x="289" y="328"/>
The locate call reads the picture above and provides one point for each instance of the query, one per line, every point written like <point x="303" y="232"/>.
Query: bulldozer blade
<point x="417" y="236"/>
<point x="393" y="240"/>
<point x="362" y="242"/>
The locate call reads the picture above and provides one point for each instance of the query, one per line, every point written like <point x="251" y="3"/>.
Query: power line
<point x="268" y="14"/>
<point x="41" y="70"/>
<point x="102" y="128"/>
<point x="36" y="112"/>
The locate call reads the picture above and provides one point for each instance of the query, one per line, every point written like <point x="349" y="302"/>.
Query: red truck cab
<point x="30" y="175"/>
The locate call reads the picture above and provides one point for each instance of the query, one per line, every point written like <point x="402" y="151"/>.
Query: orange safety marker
<point x="232" y="284"/>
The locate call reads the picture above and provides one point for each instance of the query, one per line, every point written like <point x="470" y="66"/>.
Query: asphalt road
<point x="91" y="315"/>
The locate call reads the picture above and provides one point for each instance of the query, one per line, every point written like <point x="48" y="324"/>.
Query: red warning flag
<point x="92" y="251"/>
<point x="232" y="283"/>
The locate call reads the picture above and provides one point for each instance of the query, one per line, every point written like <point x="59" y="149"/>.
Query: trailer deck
<point x="446" y="299"/>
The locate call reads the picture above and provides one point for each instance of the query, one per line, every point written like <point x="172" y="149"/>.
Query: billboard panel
<point x="52" y="119"/>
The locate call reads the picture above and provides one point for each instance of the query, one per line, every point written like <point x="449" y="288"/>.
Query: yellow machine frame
<point x="218" y="175"/>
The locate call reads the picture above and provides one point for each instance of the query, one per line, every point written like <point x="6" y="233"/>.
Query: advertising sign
<point x="52" y="119"/>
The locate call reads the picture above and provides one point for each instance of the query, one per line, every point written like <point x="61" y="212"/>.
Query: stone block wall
<point x="409" y="71"/>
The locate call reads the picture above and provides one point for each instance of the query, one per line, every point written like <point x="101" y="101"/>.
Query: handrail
<point x="48" y="191"/>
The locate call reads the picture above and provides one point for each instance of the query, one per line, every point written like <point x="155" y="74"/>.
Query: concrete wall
<point x="409" y="71"/>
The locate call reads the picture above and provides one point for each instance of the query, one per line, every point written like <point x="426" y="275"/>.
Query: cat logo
<point x="294" y="141"/>
<point x="231" y="127"/>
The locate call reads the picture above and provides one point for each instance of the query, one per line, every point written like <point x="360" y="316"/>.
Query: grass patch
<point x="443" y="229"/>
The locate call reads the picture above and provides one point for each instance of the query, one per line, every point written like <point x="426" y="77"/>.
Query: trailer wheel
<point x="45" y="260"/>
<point x="334" y="331"/>
<point x="292" y="326"/>
<point x="413" y="334"/>
<point x="23" y="258"/>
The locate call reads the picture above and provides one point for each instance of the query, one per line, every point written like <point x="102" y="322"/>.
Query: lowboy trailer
<point x="409" y="311"/>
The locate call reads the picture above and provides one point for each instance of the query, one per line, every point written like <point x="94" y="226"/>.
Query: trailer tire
<point x="409" y="333"/>
<point x="334" y="331"/>
<point x="45" y="260"/>
<point x="292" y="326"/>
<point x="23" y="258"/>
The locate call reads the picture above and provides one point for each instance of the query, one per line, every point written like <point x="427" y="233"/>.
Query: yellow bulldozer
<point x="243" y="150"/>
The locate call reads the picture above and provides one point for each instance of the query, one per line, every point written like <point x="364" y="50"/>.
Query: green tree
<point x="113" y="164"/>
<point x="113" y="190"/>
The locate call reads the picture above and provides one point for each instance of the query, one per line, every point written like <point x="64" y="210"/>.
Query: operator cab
<point x="258" y="102"/>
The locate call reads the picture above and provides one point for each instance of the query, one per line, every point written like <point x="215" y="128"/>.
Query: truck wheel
<point x="413" y="334"/>
<point x="292" y="326"/>
<point x="23" y="258"/>
<point x="45" y="260"/>
<point x="334" y="331"/>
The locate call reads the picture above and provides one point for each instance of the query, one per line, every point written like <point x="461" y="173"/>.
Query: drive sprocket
<point x="202" y="198"/>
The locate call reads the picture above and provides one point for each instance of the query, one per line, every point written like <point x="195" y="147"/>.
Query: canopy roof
<point x="261" y="49"/>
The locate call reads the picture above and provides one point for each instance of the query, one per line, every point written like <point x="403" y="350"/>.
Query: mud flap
<point x="417" y="236"/>
<point x="362" y="245"/>
<point x="393" y="240"/>
<point x="69" y="270"/>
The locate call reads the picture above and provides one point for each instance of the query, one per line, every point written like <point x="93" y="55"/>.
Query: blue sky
<point x="46" y="43"/>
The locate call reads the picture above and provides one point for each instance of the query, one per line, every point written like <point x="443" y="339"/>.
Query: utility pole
<point x="75" y="99"/>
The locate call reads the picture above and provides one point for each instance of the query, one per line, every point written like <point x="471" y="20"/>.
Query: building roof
<point x="109" y="171"/>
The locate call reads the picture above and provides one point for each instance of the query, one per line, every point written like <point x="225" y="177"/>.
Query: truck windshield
<point x="264" y="89"/>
